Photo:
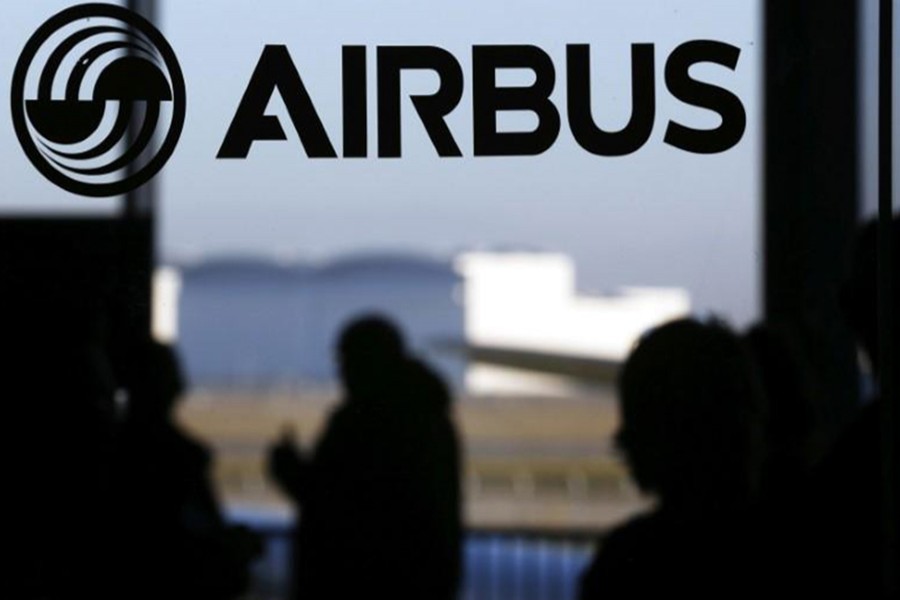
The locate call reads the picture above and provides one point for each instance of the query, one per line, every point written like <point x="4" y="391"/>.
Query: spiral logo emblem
<point x="98" y="100"/>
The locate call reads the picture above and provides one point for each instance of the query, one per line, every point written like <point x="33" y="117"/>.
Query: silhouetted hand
<point x="286" y="464"/>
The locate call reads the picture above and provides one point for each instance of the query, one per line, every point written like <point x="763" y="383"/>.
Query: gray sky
<point x="660" y="216"/>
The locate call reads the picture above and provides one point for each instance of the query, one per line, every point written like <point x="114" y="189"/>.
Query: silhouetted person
<point x="691" y="433"/>
<point x="845" y="519"/>
<point x="379" y="497"/>
<point x="174" y="542"/>
<point x="57" y="389"/>
<point x="793" y="437"/>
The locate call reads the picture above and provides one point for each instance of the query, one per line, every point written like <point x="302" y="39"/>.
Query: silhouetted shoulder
<point x="656" y="555"/>
<point x="423" y="383"/>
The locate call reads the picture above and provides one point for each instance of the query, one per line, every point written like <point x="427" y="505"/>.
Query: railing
<point x="502" y="564"/>
<point x="525" y="565"/>
<point x="272" y="572"/>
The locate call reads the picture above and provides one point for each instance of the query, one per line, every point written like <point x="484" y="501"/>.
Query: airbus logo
<point x="98" y="100"/>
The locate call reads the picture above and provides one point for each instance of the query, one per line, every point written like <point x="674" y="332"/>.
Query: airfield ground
<point x="530" y="463"/>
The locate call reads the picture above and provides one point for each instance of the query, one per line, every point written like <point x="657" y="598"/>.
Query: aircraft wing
<point x="580" y="367"/>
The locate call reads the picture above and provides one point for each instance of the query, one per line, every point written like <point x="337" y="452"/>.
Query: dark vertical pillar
<point x="886" y="296"/>
<point x="811" y="185"/>
<point x="141" y="202"/>
<point x="138" y="256"/>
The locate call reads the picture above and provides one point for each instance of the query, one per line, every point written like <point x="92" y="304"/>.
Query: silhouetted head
<point x="859" y="295"/>
<point x="691" y="416"/>
<point x="153" y="380"/>
<point x="370" y="353"/>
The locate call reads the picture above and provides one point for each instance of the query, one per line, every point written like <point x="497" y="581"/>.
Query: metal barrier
<point x="525" y="565"/>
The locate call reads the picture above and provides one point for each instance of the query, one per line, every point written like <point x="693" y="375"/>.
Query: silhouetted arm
<point x="450" y="501"/>
<point x="439" y="506"/>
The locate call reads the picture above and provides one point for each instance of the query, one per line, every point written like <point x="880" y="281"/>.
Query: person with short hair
<point x="379" y="497"/>
<point x="691" y="432"/>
